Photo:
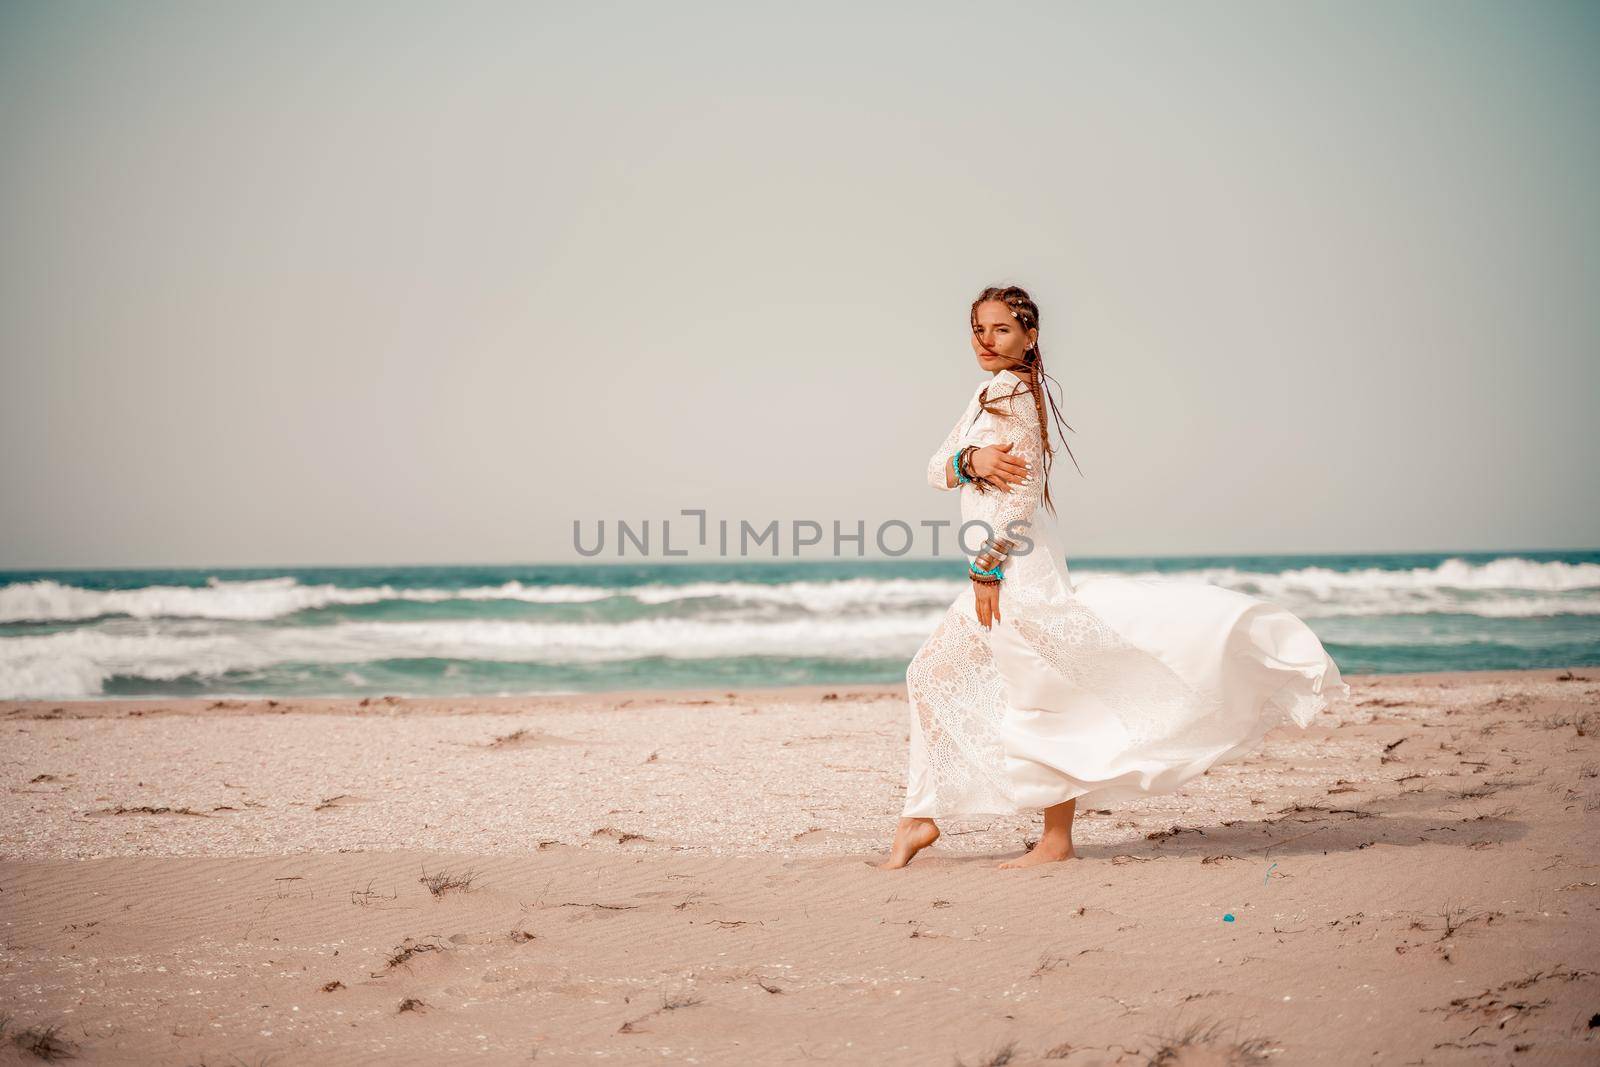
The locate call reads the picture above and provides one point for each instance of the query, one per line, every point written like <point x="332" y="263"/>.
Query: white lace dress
<point x="1111" y="688"/>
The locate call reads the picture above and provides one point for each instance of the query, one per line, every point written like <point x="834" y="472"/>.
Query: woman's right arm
<point x="940" y="474"/>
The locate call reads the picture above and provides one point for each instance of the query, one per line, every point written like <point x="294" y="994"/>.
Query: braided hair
<point x="1026" y="312"/>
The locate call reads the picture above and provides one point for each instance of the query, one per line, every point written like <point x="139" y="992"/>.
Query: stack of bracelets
<point x="986" y="567"/>
<point x="961" y="463"/>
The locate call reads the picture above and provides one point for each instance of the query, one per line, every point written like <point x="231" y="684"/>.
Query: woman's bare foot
<point x="1056" y="841"/>
<point x="1049" y="849"/>
<point x="910" y="837"/>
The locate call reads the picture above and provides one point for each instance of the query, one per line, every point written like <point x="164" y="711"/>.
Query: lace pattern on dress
<point x="958" y="700"/>
<point x="957" y="695"/>
<point x="939" y="462"/>
<point x="1017" y="425"/>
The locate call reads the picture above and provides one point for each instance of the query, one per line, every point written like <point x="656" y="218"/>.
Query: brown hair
<point x="1026" y="312"/>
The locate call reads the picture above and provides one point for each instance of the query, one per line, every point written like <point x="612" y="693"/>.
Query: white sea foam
<point x="78" y="662"/>
<point x="1509" y="587"/>
<point x="812" y="595"/>
<point x="165" y="633"/>
<point x="267" y="598"/>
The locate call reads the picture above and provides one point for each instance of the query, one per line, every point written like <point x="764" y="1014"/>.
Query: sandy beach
<point x="638" y="877"/>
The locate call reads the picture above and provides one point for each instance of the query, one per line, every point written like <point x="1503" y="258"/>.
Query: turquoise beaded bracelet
<point x="994" y="573"/>
<point x="955" y="465"/>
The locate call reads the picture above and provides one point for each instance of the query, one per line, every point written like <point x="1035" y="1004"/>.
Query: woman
<point x="1034" y="690"/>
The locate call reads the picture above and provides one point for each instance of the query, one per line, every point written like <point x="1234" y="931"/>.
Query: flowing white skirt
<point x="1110" y="689"/>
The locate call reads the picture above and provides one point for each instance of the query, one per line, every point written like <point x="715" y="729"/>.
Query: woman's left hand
<point x="987" y="597"/>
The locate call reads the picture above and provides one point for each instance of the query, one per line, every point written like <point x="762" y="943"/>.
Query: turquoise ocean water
<point x="598" y="626"/>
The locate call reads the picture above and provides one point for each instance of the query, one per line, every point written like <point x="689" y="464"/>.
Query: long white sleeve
<point x="939" y="462"/>
<point x="1019" y="425"/>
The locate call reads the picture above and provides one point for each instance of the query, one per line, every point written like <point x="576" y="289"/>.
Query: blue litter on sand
<point x="1228" y="918"/>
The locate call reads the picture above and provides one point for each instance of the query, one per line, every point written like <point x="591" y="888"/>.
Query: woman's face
<point x="998" y="339"/>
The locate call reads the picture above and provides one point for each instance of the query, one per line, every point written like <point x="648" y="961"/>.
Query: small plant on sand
<point x="1454" y="919"/>
<point x="45" y="1043"/>
<point x="1047" y="963"/>
<point x="1208" y="1040"/>
<point x="680" y="1000"/>
<point x="441" y="882"/>
<point x="366" y="897"/>
<point x="669" y="1002"/>
<point x="1581" y="723"/>
<point x="1496" y="815"/>
<point x="510" y="739"/>
<point x="405" y="952"/>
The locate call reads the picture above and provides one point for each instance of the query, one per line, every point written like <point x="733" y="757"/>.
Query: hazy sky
<point x="390" y="283"/>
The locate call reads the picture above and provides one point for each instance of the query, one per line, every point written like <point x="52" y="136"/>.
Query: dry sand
<point x="686" y="877"/>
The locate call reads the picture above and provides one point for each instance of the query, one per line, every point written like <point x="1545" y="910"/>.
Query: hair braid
<point x="1026" y="312"/>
